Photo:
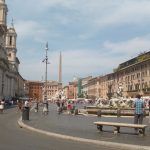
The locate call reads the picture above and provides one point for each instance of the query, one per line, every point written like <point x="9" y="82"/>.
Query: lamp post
<point x="2" y="91"/>
<point x="45" y="89"/>
<point x="2" y="88"/>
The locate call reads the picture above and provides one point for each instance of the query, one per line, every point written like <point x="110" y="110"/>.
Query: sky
<point x="94" y="36"/>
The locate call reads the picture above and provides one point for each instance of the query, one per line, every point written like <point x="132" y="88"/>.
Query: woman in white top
<point x="2" y="106"/>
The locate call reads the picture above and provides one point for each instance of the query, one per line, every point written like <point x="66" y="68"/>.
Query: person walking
<point x="139" y="110"/>
<point x="149" y="110"/>
<point x="19" y="105"/>
<point x="2" y="103"/>
<point x="0" y="106"/>
<point x="45" y="108"/>
<point x="36" y="109"/>
<point x="69" y="107"/>
<point x="26" y="104"/>
<point x="58" y="106"/>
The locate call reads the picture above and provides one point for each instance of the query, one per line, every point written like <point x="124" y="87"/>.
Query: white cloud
<point x="60" y="21"/>
<point x="95" y="12"/>
<point x="130" y="47"/>
<point x="84" y="62"/>
<point x="86" y="16"/>
<point x="26" y="28"/>
<point x="32" y="70"/>
<point x="129" y="12"/>
<point x="101" y="12"/>
<point x="79" y="63"/>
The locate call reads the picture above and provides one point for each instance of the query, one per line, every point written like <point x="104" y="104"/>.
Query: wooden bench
<point x="117" y="126"/>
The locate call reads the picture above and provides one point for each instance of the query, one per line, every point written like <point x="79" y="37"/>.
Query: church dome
<point x="11" y="30"/>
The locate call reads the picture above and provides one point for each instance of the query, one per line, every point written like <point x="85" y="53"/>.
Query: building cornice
<point x="132" y="65"/>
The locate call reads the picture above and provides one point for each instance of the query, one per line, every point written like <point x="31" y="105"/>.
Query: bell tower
<point x="3" y="20"/>
<point x="11" y="49"/>
<point x="3" y="13"/>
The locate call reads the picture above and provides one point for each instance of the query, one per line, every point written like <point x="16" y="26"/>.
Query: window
<point x="145" y="73"/>
<point x="142" y="85"/>
<point x="138" y="75"/>
<point x="145" y="85"/>
<point x="137" y="87"/>
<point x="128" y="78"/>
<point x="10" y="40"/>
<point x="9" y="55"/>
<point x="142" y="74"/>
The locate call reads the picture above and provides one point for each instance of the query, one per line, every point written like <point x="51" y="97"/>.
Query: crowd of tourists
<point x="69" y="106"/>
<point x="65" y="105"/>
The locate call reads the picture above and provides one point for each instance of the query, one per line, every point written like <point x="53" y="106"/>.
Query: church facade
<point x="11" y="82"/>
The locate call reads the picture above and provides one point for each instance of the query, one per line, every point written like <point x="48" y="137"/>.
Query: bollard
<point x="25" y="113"/>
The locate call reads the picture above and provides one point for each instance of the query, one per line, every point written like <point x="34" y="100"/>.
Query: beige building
<point x="36" y="90"/>
<point x="72" y="90"/>
<point x="96" y="87"/>
<point x="133" y="76"/>
<point x="92" y="88"/>
<point x="102" y="86"/>
<point x="129" y="79"/>
<point x="84" y="86"/>
<point x="11" y="82"/>
<point x="53" y="89"/>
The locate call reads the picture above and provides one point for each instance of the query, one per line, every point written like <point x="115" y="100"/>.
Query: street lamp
<point x="2" y="92"/>
<point x="2" y="88"/>
<point x="46" y="63"/>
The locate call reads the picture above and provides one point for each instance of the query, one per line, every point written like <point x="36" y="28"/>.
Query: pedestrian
<point x="0" y="106"/>
<point x="36" y="106"/>
<point x="62" y="104"/>
<point x="69" y="107"/>
<point x="47" y="105"/>
<point x="19" y="105"/>
<point x="26" y="104"/>
<point x="58" y="106"/>
<point x="45" y="108"/>
<point x="2" y="103"/>
<point x="149" y="110"/>
<point x="139" y="111"/>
